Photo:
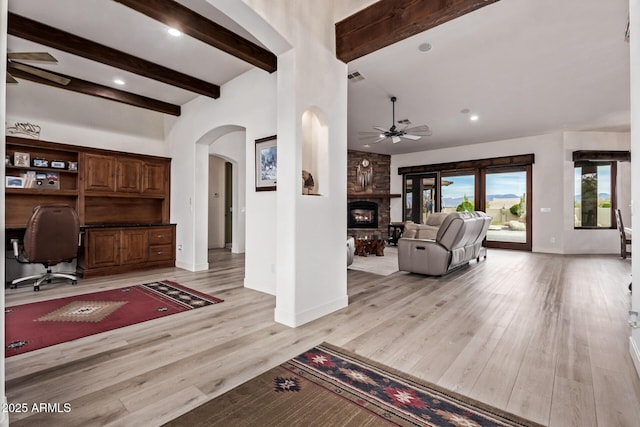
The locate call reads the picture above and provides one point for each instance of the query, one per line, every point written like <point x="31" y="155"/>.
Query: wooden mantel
<point x="372" y="196"/>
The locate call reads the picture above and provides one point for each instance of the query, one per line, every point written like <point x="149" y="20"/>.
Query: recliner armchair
<point x="458" y="240"/>
<point x="51" y="237"/>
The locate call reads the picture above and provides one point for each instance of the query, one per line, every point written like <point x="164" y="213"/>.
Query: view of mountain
<point x="455" y="201"/>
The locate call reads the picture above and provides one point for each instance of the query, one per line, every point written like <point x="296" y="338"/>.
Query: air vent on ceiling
<point x="355" y="76"/>
<point x="404" y="122"/>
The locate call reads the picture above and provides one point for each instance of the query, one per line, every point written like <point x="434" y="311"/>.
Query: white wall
<point x="216" y="192"/>
<point x="311" y="230"/>
<point x="594" y="241"/>
<point x="634" y="14"/>
<point x="246" y="102"/>
<point x="84" y="120"/>
<point x="552" y="184"/>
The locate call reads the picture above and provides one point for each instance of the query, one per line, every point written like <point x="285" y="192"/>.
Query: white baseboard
<point x="298" y="319"/>
<point x="635" y="354"/>
<point x="260" y="287"/>
<point x="192" y="267"/>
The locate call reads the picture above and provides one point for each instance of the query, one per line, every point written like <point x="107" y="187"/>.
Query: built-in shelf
<point x="372" y="196"/>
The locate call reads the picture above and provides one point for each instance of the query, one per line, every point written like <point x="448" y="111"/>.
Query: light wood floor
<point x="542" y="336"/>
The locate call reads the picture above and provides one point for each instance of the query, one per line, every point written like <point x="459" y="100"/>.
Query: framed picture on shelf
<point x="266" y="163"/>
<point x="21" y="159"/>
<point x="14" y="182"/>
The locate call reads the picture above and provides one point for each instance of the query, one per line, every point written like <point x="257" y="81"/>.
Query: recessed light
<point x="465" y="111"/>
<point x="366" y="145"/>
<point x="118" y="81"/>
<point x="474" y="118"/>
<point x="424" y="47"/>
<point x="174" y="32"/>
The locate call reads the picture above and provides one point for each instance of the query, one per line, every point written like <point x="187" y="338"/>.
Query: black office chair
<point x="51" y="237"/>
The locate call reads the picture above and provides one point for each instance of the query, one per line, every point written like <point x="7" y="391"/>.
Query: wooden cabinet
<point x="111" y="174"/>
<point x="155" y="177"/>
<point x="111" y="250"/>
<point x="122" y="200"/>
<point x="99" y="172"/>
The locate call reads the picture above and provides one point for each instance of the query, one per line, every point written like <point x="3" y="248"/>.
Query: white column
<point x="4" y="417"/>
<point x="634" y="14"/>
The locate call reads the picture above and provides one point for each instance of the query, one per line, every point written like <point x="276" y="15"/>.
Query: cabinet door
<point x="128" y="175"/>
<point x="135" y="246"/>
<point x="103" y="248"/>
<point x="99" y="172"/>
<point x="155" y="177"/>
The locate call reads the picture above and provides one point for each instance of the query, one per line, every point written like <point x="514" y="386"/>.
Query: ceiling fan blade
<point x="411" y="137"/>
<point x="40" y="73"/>
<point x="381" y="129"/>
<point x="11" y="79"/>
<point x="31" y="56"/>
<point x="395" y="139"/>
<point x="379" y="140"/>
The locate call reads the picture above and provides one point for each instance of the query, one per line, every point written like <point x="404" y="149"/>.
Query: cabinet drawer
<point x="160" y="252"/>
<point x="160" y="235"/>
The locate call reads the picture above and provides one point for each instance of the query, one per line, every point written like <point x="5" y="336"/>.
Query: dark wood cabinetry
<point x="106" y="188"/>
<point x="109" y="250"/>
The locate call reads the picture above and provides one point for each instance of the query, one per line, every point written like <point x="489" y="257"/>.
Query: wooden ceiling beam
<point x="388" y="21"/>
<point x="94" y="89"/>
<point x="197" y="26"/>
<point x="37" y="32"/>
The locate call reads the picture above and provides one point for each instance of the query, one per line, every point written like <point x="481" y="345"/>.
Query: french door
<point x="506" y="195"/>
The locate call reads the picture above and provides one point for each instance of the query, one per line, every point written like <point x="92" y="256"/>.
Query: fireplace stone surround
<point x="378" y="191"/>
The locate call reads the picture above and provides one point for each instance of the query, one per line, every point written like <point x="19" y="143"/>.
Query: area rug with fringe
<point x="330" y="386"/>
<point x="36" y="325"/>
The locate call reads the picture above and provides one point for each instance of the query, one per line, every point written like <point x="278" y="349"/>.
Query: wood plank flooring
<point x="542" y="336"/>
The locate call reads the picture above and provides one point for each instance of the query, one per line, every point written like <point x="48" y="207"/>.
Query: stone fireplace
<point x="362" y="214"/>
<point x="368" y="191"/>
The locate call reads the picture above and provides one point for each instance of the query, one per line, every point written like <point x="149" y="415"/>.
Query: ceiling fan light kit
<point x="394" y="133"/>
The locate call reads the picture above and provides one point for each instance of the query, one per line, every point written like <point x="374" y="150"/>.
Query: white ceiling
<point x="525" y="67"/>
<point x="117" y="26"/>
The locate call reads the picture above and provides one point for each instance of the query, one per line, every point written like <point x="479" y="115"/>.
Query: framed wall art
<point x="266" y="163"/>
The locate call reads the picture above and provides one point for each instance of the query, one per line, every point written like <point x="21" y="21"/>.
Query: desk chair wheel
<point x="36" y="288"/>
<point x="74" y="282"/>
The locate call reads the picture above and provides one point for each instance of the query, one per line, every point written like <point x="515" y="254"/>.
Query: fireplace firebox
<point x="362" y="214"/>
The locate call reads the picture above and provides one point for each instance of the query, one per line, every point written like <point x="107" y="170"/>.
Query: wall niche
<point x="315" y="153"/>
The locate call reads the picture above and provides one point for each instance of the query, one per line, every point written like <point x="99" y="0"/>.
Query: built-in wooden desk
<point x="122" y="200"/>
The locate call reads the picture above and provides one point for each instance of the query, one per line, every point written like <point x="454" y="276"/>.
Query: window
<point x="458" y="192"/>
<point x="594" y="194"/>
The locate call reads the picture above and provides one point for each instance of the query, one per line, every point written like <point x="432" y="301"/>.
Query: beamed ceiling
<point x="525" y="68"/>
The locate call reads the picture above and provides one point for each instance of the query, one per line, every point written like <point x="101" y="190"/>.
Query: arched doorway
<point x="227" y="143"/>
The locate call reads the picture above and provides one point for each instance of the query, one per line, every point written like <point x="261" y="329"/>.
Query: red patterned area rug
<point x="42" y="324"/>
<point x="329" y="386"/>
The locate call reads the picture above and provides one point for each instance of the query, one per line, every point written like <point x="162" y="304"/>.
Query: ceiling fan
<point x="13" y="62"/>
<point x="394" y="133"/>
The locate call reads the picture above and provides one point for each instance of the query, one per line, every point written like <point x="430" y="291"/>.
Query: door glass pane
<point x="428" y="198"/>
<point x="420" y="197"/>
<point x="592" y="196"/>
<point x="458" y="193"/>
<point x="506" y="203"/>
<point x="408" y="197"/>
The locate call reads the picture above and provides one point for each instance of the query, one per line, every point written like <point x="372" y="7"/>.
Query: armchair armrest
<point x="424" y="256"/>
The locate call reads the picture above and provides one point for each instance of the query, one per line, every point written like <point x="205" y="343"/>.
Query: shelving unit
<point x="120" y="193"/>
